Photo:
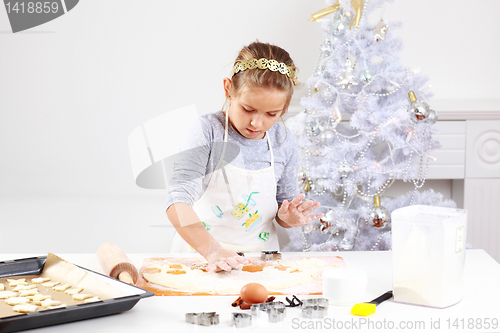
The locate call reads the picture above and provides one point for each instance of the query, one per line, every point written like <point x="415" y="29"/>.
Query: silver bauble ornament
<point x="419" y="109"/>
<point x="432" y="117"/>
<point x="312" y="128"/>
<point x="379" y="216"/>
<point x="366" y="76"/>
<point x="340" y="23"/>
<point x="327" y="137"/>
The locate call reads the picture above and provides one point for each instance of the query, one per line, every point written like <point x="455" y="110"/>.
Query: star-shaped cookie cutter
<point x="202" y="318"/>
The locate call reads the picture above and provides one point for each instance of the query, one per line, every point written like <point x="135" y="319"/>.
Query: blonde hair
<point x="253" y="79"/>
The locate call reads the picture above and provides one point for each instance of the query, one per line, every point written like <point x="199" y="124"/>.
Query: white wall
<point x="73" y="89"/>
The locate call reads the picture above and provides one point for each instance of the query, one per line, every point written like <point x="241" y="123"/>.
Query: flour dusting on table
<point x="299" y="276"/>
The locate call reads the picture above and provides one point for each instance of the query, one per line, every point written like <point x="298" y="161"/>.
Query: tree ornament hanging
<point x="344" y="169"/>
<point x="366" y="76"/>
<point x="327" y="136"/>
<point x="346" y="244"/>
<point x="347" y="78"/>
<point x="433" y="116"/>
<point x="379" y="216"/>
<point x="328" y="225"/>
<point x="419" y="110"/>
<point x="380" y="31"/>
<point x="312" y="128"/>
<point x="326" y="48"/>
<point x="308" y="186"/>
<point x="339" y="23"/>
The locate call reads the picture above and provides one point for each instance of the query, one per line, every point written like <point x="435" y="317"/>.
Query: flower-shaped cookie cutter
<point x="273" y="311"/>
<point x="202" y="318"/>
<point x="314" y="308"/>
<point x="241" y="319"/>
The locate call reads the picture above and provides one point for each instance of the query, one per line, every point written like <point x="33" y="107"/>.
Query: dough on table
<point x="73" y="291"/>
<point x="16" y="282"/>
<point x="81" y="297"/>
<point x="40" y="280"/>
<point x="50" y="284"/>
<point x="24" y="308"/>
<point x="274" y="277"/>
<point x="62" y="287"/>
<point x="7" y="294"/>
<point x="17" y="300"/>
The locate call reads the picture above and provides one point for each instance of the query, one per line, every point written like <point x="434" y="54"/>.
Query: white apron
<point x="238" y="213"/>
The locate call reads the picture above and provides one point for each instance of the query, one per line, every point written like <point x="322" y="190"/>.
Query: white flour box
<point x="428" y="245"/>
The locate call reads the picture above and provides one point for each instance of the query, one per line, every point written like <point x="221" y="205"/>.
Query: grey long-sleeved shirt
<point x="203" y="148"/>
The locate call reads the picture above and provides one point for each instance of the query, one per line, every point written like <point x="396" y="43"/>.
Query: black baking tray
<point x="34" y="266"/>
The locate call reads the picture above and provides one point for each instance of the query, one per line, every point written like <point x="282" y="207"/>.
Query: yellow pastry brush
<point x="366" y="309"/>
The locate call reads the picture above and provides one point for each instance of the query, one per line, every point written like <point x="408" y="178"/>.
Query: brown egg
<point x="253" y="293"/>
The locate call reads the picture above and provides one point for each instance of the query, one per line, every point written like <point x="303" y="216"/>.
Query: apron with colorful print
<point x="238" y="207"/>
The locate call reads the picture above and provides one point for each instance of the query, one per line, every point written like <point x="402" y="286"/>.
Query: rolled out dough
<point x="298" y="272"/>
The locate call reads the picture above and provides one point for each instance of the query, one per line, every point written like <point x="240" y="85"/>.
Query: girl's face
<point x="255" y="111"/>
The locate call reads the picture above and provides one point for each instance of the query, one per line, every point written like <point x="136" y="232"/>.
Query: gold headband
<point x="263" y="63"/>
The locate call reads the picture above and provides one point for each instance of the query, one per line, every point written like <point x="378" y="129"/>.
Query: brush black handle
<point x="382" y="298"/>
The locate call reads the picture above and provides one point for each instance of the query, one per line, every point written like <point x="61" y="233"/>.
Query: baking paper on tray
<point x="57" y="269"/>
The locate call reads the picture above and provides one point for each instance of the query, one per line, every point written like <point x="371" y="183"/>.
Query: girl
<point x="238" y="171"/>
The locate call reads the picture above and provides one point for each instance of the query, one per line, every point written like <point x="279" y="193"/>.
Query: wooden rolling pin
<point x="116" y="264"/>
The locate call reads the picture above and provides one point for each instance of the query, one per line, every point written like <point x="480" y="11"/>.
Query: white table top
<point x="479" y="307"/>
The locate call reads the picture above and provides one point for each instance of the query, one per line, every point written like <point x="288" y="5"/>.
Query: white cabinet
<point x="483" y="149"/>
<point x="482" y="185"/>
<point x="450" y="157"/>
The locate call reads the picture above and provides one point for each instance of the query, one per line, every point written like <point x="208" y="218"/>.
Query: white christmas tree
<point x="386" y="133"/>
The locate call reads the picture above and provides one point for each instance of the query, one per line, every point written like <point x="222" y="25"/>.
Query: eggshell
<point x="253" y="293"/>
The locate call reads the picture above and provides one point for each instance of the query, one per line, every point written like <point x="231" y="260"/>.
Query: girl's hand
<point x="225" y="260"/>
<point x="296" y="213"/>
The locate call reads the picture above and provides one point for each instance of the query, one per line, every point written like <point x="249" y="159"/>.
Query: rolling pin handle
<point x="126" y="277"/>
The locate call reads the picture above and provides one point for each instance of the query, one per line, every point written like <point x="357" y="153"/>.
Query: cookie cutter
<point x="314" y="308"/>
<point x="270" y="255"/>
<point x="274" y="311"/>
<point x="241" y="319"/>
<point x="202" y="318"/>
<point x="315" y="301"/>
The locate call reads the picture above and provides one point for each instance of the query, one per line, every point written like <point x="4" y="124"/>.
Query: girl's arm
<point x="182" y="215"/>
